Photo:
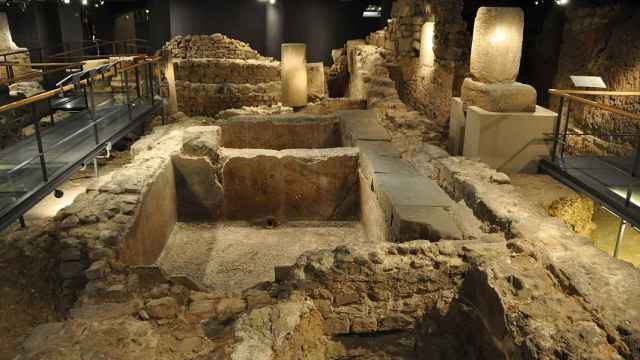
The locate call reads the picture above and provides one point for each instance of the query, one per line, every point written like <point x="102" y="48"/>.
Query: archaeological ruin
<point x="319" y="179"/>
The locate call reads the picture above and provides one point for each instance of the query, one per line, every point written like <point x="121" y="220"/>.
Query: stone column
<point x="171" y="83"/>
<point x="294" y="75"/>
<point x="495" y="62"/>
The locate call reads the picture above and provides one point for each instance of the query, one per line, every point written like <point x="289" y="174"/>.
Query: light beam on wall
<point x="427" y="56"/>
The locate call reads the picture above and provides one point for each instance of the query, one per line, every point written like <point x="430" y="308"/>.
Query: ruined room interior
<point x="319" y="179"/>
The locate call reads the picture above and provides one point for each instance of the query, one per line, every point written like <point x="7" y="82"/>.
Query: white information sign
<point x="588" y="82"/>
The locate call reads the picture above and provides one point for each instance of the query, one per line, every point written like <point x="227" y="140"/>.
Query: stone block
<point x="508" y="142"/>
<point x="497" y="44"/>
<point x="294" y="75"/>
<point x="371" y="164"/>
<point x="361" y="125"/>
<point x="372" y="216"/>
<point x="162" y="308"/>
<point x="280" y="132"/>
<point x="424" y="223"/>
<point x="350" y="46"/>
<point x="317" y="82"/>
<point x="456" y="127"/>
<point x="505" y="97"/>
<point x="198" y="193"/>
<point x="409" y="190"/>
<point x="290" y="184"/>
<point x="201" y="140"/>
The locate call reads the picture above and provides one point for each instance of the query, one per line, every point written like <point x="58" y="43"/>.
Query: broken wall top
<point x="216" y="46"/>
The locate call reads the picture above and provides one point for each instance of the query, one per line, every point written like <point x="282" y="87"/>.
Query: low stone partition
<point x="218" y="71"/>
<point x="198" y="99"/>
<point x="290" y="185"/>
<point x="279" y="132"/>
<point x="399" y="204"/>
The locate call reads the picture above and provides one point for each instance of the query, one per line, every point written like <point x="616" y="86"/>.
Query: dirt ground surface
<point x="25" y="291"/>
<point x="25" y="302"/>
<point x="231" y="257"/>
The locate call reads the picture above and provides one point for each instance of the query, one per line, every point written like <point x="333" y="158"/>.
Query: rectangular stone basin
<point x="279" y="132"/>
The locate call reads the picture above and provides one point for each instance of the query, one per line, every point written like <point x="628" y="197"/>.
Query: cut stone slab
<point x="505" y="97"/>
<point x="290" y="185"/>
<point x="423" y="222"/>
<point x="410" y="190"/>
<point x="377" y="148"/>
<point x="361" y="125"/>
<point x="279" y="132"/>
<point x="198" y="194"/>
<point x="317" y="81"/>
<point x="497" y="44"/>
<point x="371" y="164"/>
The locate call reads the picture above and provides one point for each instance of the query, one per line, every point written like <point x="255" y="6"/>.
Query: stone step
<point x="361" y="125"/>
<point x="413" y="206"/>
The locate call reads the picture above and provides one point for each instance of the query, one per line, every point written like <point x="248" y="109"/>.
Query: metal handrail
<point x="51" y="93"/>
<point x="99" y="44"/>
<point x="595" y="92"/>
<point x="569" y="94"/>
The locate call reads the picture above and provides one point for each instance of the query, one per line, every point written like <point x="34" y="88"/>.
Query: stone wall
<point x="215" y="73"/>
<point x="216" y="46"/>
<point x="427" y="88"/>
<point x="602" y="41"/>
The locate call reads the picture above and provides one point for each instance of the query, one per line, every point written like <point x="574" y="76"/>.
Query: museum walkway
<point x="39" y="163"/>
<point x="612" y="180"/>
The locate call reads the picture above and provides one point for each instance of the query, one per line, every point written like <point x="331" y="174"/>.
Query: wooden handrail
<point x="145" y="62"/>
<point x="96" y="46"/>
<point x="595" y="104"/>
<point x="51" y="93"/>
<point x="15" y="52"/>
<point x="38" y="65"/>
<point x="595" y="93"/>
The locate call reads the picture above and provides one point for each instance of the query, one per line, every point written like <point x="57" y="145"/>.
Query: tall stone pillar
<point x="294" y="75"/>
<point x="495" y="63"/>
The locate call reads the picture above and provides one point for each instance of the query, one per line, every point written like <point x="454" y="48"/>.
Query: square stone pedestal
<point x="508" y="142"/>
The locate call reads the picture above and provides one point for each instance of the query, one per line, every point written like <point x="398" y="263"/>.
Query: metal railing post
<point x="616" y="250"/>
<point x="137" y="73"/>
<point x="36" y="125"/>
<point x="126" y="94"/>
<point x="150" y="83"/>
<point x="556" y="131"/>
<point x="566" y="130"/>
<point x="92" y="111"/>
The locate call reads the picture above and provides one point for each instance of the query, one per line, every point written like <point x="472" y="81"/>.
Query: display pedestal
<point x="508" y="142"/>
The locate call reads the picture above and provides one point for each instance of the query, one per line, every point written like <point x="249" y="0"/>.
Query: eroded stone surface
<point x="497" y="30"/>
<point x="511" y="97"/>
<point x="290" y="185"/>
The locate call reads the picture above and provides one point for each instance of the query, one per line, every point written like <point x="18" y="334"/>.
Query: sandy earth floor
<point x="542" y="190"/>
<point x="230" y="257"/>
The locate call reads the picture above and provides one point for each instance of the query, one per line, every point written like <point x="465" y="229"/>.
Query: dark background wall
<point x="35" y="27"/>
<point x="322" y="24"/>
<point x="239" y="19"/>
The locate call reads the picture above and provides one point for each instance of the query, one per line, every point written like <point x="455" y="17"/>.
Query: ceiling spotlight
<point x="66" y="1"/>
<point x="562" y="2"/>
<point x="85" y="2"/>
